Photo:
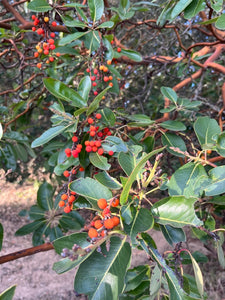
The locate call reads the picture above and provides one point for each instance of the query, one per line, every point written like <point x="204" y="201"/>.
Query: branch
<point x="25" y="252"/>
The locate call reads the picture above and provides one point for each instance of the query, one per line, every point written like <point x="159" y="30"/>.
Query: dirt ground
<point x="34" y="276"/>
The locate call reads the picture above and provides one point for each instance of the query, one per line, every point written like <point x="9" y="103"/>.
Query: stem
<point x="26" y="252"/>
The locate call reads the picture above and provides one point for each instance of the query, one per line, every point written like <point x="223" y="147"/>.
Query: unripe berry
<point x="98" y="224"/>
<point x="101" y="68"/>
<point x="66" y="173"/>
<point x="105" y="69"/>
<point x="40" y="50"/>
<point x="92" y="233"/>
<point x="64" y="197"/>
<point x="61" y="203"/>
<point x="79" y="146"/>
<point x="108" y="223"/>
<point x="47" y="61"/>
<point x="102" y="203"/>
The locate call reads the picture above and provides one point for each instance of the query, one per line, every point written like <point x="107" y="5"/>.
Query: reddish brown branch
<point x="26" y="252"/>
<point x="16" y="14"/>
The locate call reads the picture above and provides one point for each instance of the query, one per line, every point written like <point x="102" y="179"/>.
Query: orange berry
<point x="98" y="116"/>
<point x="103" y="98"/>
<point x="115" y="220"/>
<point x="98" y="144"/>
<point x="115" y="202"/>
<point x="209" y="151"/>
<point x="79" y="146"/>
<point x="108" y="223"/>
<point x="40" y="50"/>
<point x="110" y="77"/>
<point x="102" y="203"/>
<point x="92" y="143"/>
<point x="109" y="62"/>
<point x="36" y="54"/>
<point x="71" y="199"/>
<point x="67" y="209"/>
<point x="66" y="173"/>
<point x="94" y="149"/>
<point x="46" y="19"/>
<point x="103" y="233"/>
<point x="61" y="203"/>
<point x="51" y="41"/>
<point x="39" y="65"/>
<point x="101" y="68"/>
<point x="47" y="61"/>
<point x="111" y="84"/>
<point x="92" y="233"/>
<point x="98" y="224"/>
<point x="92" y="133"/>
<point x="74" y="139"/>
<point x="73" y="193"/>
<point x="51" y="59"/>
<point x="87" y="143"/>
<point x="105" y="69"/>
<point x="81" y="169"/>
<point x="64" y="196"/>
<point x="57" y="54"/>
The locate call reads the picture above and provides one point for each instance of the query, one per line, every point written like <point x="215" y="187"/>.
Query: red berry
<point x="54" y="23"/>
<point x="66" y="173"/>
<point x="39" y="65"/>
<point x="92" y="133"/>
<point x="88" y="148"/>
<point x="71" y="199"/>
<point x="81" y="169"/>
<point x="36" y="54"/>
<point x="115" y="220"/>
<point x="98" y="144"/>
<point x="95" y="93"/>
<point x="86" y="143"/>
<point x="79" y="146"/>
<point x="52" y="34"/>
<point x="98" y="116"/>
<point x="102" y="203"/>
<point x="106" y="78"/>
<point x="67" y="209"/>
<point x="90" y="120"/>
<point x="100" y="151"/>
<point x="119" y="49"/>
<point x="75" y="153"/>
<point x="40" y="31"/>
<point x="95" y="71"/>
<point x="74" y="139"/>
<point x="88" y="70"/>
<point x="73" y="193"/>
<point x="100" y="134"/>
<point x="93" y="78"/>
<point x="51" y="41"/>
<point x="33" y="28"/>
<point x="110" y="152"/>
<point x="52" y="47"/>
<point x="64" y="196"/>
<point x="115" y="202"/>
<point x="92" y="143"/>
<point x="46" y="52"/>
<point x="68" y="152"/>
<point x="106" y="212"/>
<point x="33" y="17"/>
<point x="98" y="224"/>
<point x="94" y="149"/>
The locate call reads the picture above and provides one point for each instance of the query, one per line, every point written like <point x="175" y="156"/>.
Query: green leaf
<point x="96" y="9"/>
<point x="220" y="144"/>
<point x="198" y="275"/>
<point x="194" y="8"/>
<point x="1" y="236"/>
<point x="1" y="131"/>
<point x="105" y="277"/>
<point x="84" y="87"/>
<point x="108" y="117"/>
<point x="73" y="23"/>
<point x="155" y="283"/>
<point x="71" y="37"/>
<point x="206" y="129"/>
<point x="28" y="228"/>
<point x="140" y="120"/>
<point x="173" y="140"/>
<point x="189" y="180"/>
<point x="173" y="125"/>
<point x="91" y="189"/>
<point x="44" y="196"/>
<point x="133" y="55"/>
<point x="36" y="212"/>
<point x="99" y="161"/>
<point x="115" y="144"/>
<point x="95" y="103"/>
<point x="47" y="136"/>
<point x="108" y="24"/>
<point x="62" y="91"/>
<point x="216" y="5"/>
<point x="108" y="181"/>
<point x="127" y="161"/>
<point x="60" y="168"/>
<point x="179" y="7"/>
<point x="169" y="93"/>
<point x="217" y="184"/>
<point x="176" y="292"/>
<point x="176" y="211"/>
<point x="8" y="294"/>
<point x="135" y="276"/>
<point x="142" y="221"/>
<point x="39" y="6"/>
<point x="173" y="235"/>
<point x="133" y="175"/>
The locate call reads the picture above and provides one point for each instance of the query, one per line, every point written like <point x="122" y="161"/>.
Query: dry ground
<point x="34" y="276"/>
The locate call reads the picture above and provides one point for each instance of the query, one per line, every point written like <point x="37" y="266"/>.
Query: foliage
<point x="128" y="153"/>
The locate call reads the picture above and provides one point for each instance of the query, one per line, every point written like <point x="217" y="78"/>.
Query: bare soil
<point x="34" y="276"/>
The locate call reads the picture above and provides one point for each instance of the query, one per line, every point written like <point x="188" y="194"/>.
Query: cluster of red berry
<point x="44" y="48"/>
<point x="100" y="74"/>
<point x="67" y="200"/>
<point x="102" y="224"/>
